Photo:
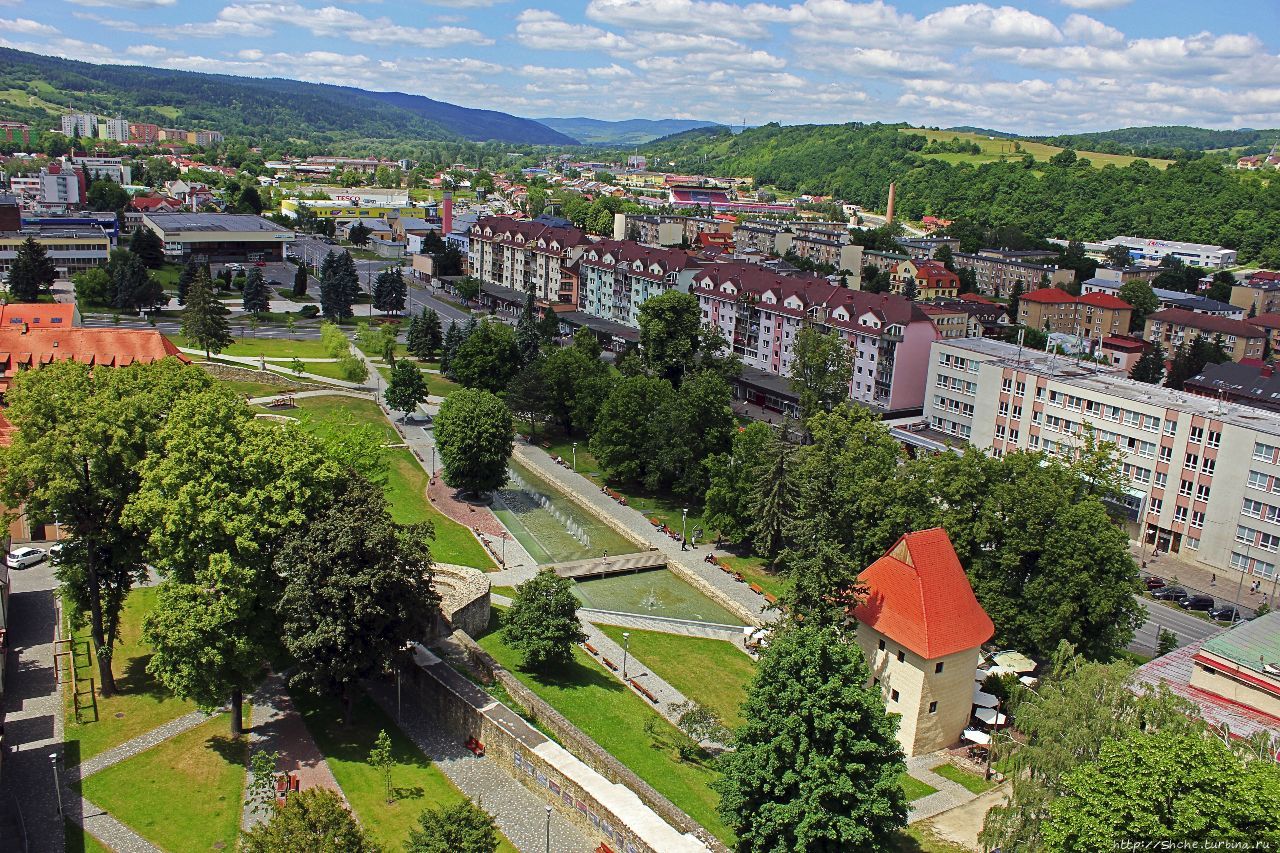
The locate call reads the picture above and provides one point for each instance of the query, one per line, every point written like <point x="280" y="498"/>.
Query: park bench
<point x="643" y="691"/>
<point x="591" y="649"/>
<point x="284" y="401"/>
<point x="756" y="589"/>
<point x="772" y="599"/>
<point x="613" y="666"/>
<point x="475" y="747"/>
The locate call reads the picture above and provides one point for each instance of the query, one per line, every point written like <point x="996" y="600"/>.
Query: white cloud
<point x="1090" y="31"/>
<point x="26" y="27"/>
<point x="124" y="4"/>
<point x="979" y="23"/>
<point x="698" y="16"/>
<point x="334" y="22"/>
<point x="543" y="30"/>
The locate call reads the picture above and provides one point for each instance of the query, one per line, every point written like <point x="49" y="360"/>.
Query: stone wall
<point x="464" y="597"/>
<point x="605" y="809"/>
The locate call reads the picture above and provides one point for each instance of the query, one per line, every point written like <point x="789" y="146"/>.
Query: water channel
<point x="654" y="592"/>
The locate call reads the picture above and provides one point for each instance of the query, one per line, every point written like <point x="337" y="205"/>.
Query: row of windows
<point x="1265" y="452"/>
<point x="955" y="383"/>
<point x="1249" y="536"/>
<point x="1000" y="433"/>
<point x="951" y="427"/>
<point x="1263" y="482"/>
<point x="954" y="406"/>
<point x="1246" y="564"/>
<point x="956" y="362"/>
<point x="1258" y="509"/>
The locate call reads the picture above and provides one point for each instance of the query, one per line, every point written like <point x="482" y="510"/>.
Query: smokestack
<point x="446" y="213"/>
<point x="888" y="213"/>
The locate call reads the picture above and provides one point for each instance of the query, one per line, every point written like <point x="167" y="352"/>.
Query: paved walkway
<point x="638" y="526"/>
<point x="664" y="625"/>
<point x="261" y="364"/>
<point x="949" y="795"/>
<point x="32" y="716"/>
<point x="277" y="727"/>
<point x="520" y="814"/>
<point x="141" y="743"/>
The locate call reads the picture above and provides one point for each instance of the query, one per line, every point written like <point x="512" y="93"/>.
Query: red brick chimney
<point x="446" y="213"/>
<point x="888" y="214"/>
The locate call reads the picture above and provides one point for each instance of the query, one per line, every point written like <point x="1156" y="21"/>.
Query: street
<point x="1189" y="628"/>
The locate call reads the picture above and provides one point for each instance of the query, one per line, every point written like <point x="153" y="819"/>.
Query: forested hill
<point x="37" y="88"/>
<point x="1197" y="200"/>
<point x="634" y="131"/>
<point x="1166" y="141"/>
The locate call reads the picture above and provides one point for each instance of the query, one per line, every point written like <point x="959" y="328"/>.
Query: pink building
<point x="760" y="313"/>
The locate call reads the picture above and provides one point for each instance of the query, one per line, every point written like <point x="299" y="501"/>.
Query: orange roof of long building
<point x="32" y="347"/>
<point x="919" y="596"/>
<point x="60" y="314"/>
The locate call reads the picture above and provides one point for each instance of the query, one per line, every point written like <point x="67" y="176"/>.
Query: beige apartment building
<point x="1174" y="326"/>
<point x="1092" y="316"/>
<point x="1203" y="476"/>
<point x="922" y="630"/>
<point x="526" y="256"/>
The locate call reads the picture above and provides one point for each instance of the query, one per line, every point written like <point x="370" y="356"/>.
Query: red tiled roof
<point x="975" y="297"/>
<point x="1120" y="342"/>
<point x="1207" y="323"/>
<point x="1270" y="320"/>
<point x="1105" y="300"/>
<point x="60" y="314"/>
<point x="919" y="596"/>
<point x="1048" y="295"/>
<point x="105" y="347"/>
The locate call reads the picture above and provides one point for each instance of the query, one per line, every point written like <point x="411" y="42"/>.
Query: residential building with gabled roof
<point x="931" y="279"/>
<point x="922" y="629"/>
<point x="616" y="277"/>
<point x="525" y="255"/>
<point x="1174" y="326"/>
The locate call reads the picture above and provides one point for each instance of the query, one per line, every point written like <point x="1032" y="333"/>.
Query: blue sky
<point x="1036" y="66"/>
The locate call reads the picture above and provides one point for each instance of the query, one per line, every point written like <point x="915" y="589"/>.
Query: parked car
<point x="1154" y="583"/>
<point x="259" y="263"/>
<point x="55" y="551"/>
<point x="1170" y="593"/>
<point x="20" y="558"/>
<point x="1196" y="602"/>
<point x="1226" y="613"/>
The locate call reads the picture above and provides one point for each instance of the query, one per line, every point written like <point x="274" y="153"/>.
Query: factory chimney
<point x="888" y="213"/>
<point x="446" y="214"/>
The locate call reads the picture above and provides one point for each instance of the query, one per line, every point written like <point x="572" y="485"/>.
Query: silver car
<point x="20" y="558"/>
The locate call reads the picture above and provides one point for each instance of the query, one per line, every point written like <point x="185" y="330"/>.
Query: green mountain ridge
<point x="35" y="89"/>
<point x="635" y="131"/>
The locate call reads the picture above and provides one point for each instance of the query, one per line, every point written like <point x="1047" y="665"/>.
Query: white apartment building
<point x="114" y="128"/>
<point x="525" y="255"/>
<point x="616" y="277"/>
<point x="110" y="168"/>
<point x="84" y="125"/>
<point x="59" y="187"/>
<point x="1203" y="475"/>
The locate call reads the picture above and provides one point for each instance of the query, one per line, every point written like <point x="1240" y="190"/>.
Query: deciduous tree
<point x="488" y="358"/>
<point x="407" y="387"/>
<point x="463" y="827"/>
<point x="1143" y="299"/>
<point x="311" y="821"/>
<point x="542" y="622"/>
<point x="475" y="435"/>
<point x="821" y="369"/>
<point x="816" y="764"/>
<point x="732" y="481"/>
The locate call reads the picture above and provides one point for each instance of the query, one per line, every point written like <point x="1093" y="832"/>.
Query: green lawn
<point x="324" y="415"/>
<point x="183" y="794"/>
<point x="710" y="672"/>
<point x="914" y="788"/>
<point x="753" y="569"/>
<point x="269" y="347"/>
<point x="417" y="782"/>
<point x="406" y="491"/>
<point x="594" y="701"/>
<point x="167" y="275"/>
<point x="972" y="781"/>
<point x="79" y="841"/>
<point x="1002" y="149"/>
<point x="142" y="703"/>
<point x="328" y="369"/>
<point x="437" y="385"/>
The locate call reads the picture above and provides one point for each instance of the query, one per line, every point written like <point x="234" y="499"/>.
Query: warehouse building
<point x="219" y="237"/>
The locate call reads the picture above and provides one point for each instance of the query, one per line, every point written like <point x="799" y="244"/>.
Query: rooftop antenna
<point x="1022" y="333"/>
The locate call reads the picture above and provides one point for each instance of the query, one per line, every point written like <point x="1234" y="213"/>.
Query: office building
<point x="218" y="237"/>
<point x="1152" y="252"/>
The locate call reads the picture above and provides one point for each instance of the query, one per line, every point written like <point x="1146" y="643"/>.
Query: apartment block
<point x="83" y="125"/>
<point x="766" y="238"/>
<point x="931" y="279"/>
<point x="526" y="255"/>
<point x="1259" y="293"/>
<point x="116" y="129"/>
<point x="664" y="230"/>
<point x="1091" y="316"/>
<point x="832" y="249"/>
<point x="997" y="270"/>
<point x="882" y="261"/>
<point x="1174" y="326"/>
<point x="1203" y="475"/>
<point x="616" y="277"/>
<point x="145" y="134"/>
<point x="760" y="313"/>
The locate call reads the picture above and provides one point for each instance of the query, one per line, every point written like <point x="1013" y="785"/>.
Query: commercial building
<point x="526" y="256"/>
<point x="996" y="271"/>
<point x="616" y="277"/>
<point x="1203" y="475"/>
<point x="218" y="237"/>
<point x="930" y="280"/>
<point x="346" y="208"/>
<point x="922" y="629"/>
<point x="1152" y="252"/>
<point x="70" y="248"/>
<point x="1174" y="326"/>
<point x="1232" y="678"/>
<point x="1091" y="316"/>
<point x="760" y="313"/>
<point x="1123" y="275"/>
<point x="15" y="132"/>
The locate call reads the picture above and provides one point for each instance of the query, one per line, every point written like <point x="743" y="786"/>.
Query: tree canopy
<point x="542" y="622"/>
<point x="474" y="434"/>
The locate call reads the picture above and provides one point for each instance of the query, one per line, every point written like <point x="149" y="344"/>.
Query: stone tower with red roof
<point x="921" y="629"/>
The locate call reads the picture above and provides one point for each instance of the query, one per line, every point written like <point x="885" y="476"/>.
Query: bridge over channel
<point x="596" y="567"/>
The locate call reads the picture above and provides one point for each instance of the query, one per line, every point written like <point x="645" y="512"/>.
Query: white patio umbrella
<point x="976" y="736"/>
<point x="990" y="717"/>
<point x="1016" y="661"/>
<point x="984" y="700"/>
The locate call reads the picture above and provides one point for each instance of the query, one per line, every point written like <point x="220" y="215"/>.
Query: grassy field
<point x="999" y="148"/>
<point x="416" y="782"/>
<point x="437" y="385"/>
<point x="327" y="369"/>
<point x="753" y="569"/>
<point x="142" y="703"/>
<point x="406" y="479"/>
<point x="268" y="347"/>
<point x="710" y="672"/>
<point x="183" y="794"/>
<point x="594" y="701"/>
<point x="972" y="781"/>
<point x="914" y="788"/>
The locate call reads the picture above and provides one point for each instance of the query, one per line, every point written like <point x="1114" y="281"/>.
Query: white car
<point x="20" y="558"/>
<point x="55" y="551"/>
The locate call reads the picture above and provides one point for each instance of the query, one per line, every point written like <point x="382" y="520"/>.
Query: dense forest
<point x="1166" y="141"/>
<point x="1197" y="200"/>
<point x="257" y="110"/>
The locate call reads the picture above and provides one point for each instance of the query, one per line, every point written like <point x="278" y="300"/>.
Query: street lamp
<point x="548" y="829"/>
<point x="626" y="647"/>
<point x="504" y="549"/>
<point x="575" y="456"/>
<point x="684" y="529"/>
<point x="57" y="788"/>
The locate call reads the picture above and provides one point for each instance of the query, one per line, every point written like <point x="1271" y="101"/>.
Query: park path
<point x="638" y="526"/>
<point x="278" y="727"/>
<point x="32" y="716"/>
<point x="260" y="364"/>
<point x="949" y="795"/>
<point x="519" y="813"/>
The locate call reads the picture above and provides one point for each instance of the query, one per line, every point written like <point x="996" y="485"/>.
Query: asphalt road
<point x="1189" y="628"/>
